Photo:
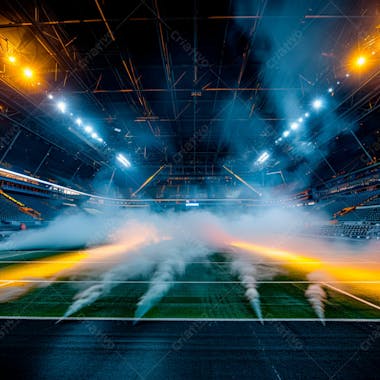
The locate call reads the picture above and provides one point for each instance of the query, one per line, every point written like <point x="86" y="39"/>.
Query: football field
<point x="37" y="284"/>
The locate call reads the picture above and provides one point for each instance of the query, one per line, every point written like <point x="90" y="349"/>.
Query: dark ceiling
<point x="191" y="84"/>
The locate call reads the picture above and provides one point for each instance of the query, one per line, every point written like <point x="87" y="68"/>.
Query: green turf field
<point x="206" y="290"/>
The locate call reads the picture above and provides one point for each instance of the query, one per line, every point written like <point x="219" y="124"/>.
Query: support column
<point x="10" y="146"/>
<point x="361" y="146"/>
<point x="43" y="160"/>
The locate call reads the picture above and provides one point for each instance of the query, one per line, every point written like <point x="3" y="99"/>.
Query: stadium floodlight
<point x="331" y="90"/>
<point x="100" y="139"/>
<point x="286" y="134"/>
<point x="361" y="60"/>
<point x="94" y="135"/>
<point x="278" y="140"/>
<point x="307" y="114"/>
<point x="88" y="129"/>
<point x="300" y="120"/>
<point x="61" y="106"/>
<point x="124" y="161"/>
<point x="12" y="59"/>
<point x="50" y="96"/>
<point x="191" y="204"/>
<point x="294" y="126"/>
<point x="28" y="72"/>
<point x="317" y="104"/>
<point x="78" y="121"/>
<point x="263" y="157"/>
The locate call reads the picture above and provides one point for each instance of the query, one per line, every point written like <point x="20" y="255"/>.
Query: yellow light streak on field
<point x="337" y="270"/>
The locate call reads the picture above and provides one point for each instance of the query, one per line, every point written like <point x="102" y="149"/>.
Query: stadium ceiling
<point x="194" y="84"/>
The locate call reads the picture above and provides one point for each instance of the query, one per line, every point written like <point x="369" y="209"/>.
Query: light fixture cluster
<point x="86" y="128"/>
<point x="25" y="72"/>
<point x="316" y="105"/>
<point x="123" y="160"/>
<point x="262" y="158"/>
<point x="360" y="60"/>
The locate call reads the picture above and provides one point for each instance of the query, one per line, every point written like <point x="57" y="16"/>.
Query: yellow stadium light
<point x="12" y="59"/>
<point x="28" y="72"/>
<point x="361" y="61"/>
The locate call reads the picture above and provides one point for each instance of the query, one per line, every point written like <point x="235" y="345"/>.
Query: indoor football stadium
<point x="190" y="189"/>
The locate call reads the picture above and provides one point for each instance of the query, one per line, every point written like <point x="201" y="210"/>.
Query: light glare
<point x="317" y="104"/>
<point x="294" y="126"/>
<point x="361" y="61"/>
<point x="61" y="106"/>
<point x="28" y="72"/>
<point x="263" y="157"/>
<point x="124" y="161"/>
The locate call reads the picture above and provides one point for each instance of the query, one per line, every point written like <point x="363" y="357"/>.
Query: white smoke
<point x="131" y="268"/>
<point x="173" y="265"/>
<point x="65" y="232"/>
<point x="140" y="243"/>
<point x="135" y="264"/>
<point x="317" y="298"/>
<point x="247" y="273"/>
<point x="87" y="297"/>
<point x="166" y="260"/>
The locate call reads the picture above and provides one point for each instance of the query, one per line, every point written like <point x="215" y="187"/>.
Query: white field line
<point x="6" y="283"/>
<point x="31" y="261"/>
<point x="23" y="253"/>
<point x="377" y="307"/>
<point x="184" y="282"/>
<point x="377" y="320"/>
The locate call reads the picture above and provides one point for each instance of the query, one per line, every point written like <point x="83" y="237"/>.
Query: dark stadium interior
<point x="189" y="171"/>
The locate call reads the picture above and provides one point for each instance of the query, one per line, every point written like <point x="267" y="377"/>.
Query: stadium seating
<point x="355" y="231"/>
<point x="367" y="214"/>
<point x="10" y="212"/>
<point x="373" y="201"/>
<point x="48" y="208"/>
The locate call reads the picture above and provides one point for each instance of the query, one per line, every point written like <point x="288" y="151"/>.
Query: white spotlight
<point x="263" y="157"/>
<point x="294" y="126"/>
<point x="317" y="104"/>
<point x="94" y="135"/>
<point x="88" y="129"/>
<point x="331" y="90"/>
<point x="300" y="120"/>
<point x="286" y="134"/>
<point x="78" y="121"/>
<point x="61" y="106"/>
<point x="50" y="96"/>
<point x="307" y="114"/>
<point x="124" y="161"/>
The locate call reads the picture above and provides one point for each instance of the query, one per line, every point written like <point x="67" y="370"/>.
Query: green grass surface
<point x="218" y="299"/>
